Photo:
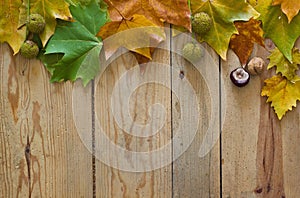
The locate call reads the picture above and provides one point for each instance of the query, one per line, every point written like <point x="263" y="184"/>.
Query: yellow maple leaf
<point x="14" y="15"/>
<point x="9" y="23"/>
<point x="282" y="93"/>
<point x="50" y="10"/>
<point x="289" y="7"/>
<point x="283" y="66"/>
<point x="136" y="34"/>
<point x="252" y="2"/>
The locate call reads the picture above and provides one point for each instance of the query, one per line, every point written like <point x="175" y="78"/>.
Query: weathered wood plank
<point x="291" y="148"/>
<point x="239" y="133"/>
<point x="258" y="151"/>
<point x="195" y="176"/>
<point x="41" y="153"/>
<point x="110" y="181"/>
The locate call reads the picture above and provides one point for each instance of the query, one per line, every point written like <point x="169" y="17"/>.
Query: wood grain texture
<point x="41" y="153"/>
<point x="290" y="129"/>
<point x="269" y="161"/>
<point x="239" y="133"/>
<point x="195" y="176"/>
<point x="111" y="182"/>
<point x="258" y="151"/>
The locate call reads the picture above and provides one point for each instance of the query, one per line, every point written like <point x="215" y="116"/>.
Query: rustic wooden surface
<point x="36" y="118"/>
<point x="42" y="155"/>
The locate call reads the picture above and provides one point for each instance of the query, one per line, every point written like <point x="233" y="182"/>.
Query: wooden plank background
<point x="42" y="155"/>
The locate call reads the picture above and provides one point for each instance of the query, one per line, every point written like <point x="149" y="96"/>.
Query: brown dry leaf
<point x="175" y="12"/>
<point x="289" y="7"/>
<point x="242" y="44"/>
<point x="140" y="34"/>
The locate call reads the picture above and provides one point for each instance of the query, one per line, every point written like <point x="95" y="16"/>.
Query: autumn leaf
<point x="78" y="44"/>
<point x="13" y="16"/>
<point x="50" y="10"/>
<point x="276" y="27"/>
<point x="281" y="93"/>
<point x="136" y="34"/>
<point x="79" y="2"/>
<point x="126" y="15"/>
<point x="242" y="43"/>
<point x="223" y="14"/>
<point x="283" y="66"/>
<point x="9" y="23"/>
<point x="174" y="12"/>
<point x="289" y="7"/>
<point x="252" y="2"/>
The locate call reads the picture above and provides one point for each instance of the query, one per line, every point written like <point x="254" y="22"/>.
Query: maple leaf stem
<point x="112" y="5"/>
<point x="28" y="34"/>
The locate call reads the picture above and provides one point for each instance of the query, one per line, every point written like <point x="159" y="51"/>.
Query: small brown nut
<point x="256" y="66"/>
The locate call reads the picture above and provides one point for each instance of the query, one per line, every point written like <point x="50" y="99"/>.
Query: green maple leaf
<point x="277" y="28"/>
<point x="223" y="13"/>
<point x="282" y="93"/>
<point x="77" y="41"/>
<point x="283" y="66"/>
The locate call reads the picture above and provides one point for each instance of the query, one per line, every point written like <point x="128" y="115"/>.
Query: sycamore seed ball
<point x="36" y="23"/>
<point x="29" y="49"/>
<point x="201" y="23"/>
<point x="192" y="52"/>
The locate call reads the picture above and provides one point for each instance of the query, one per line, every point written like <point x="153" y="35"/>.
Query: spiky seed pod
<point x="36" y="23"/>
<point x="29" y="49"/>
<point x="201" y="23"/>
<point x="192" y="52"/>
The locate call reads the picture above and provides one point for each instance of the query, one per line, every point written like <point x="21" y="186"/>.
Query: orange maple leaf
<point x="174" y="12"/>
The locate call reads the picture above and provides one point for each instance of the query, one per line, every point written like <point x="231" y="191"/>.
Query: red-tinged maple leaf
<point x="242" y="43"/>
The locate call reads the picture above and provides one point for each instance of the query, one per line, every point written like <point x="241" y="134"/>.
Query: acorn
<point x="36" y="23"/>
<point x="29" y="49"/>
<point x="256" y="65"/>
